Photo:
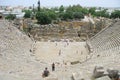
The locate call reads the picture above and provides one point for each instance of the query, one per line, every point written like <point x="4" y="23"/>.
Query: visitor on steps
<point x="45" y="73"/>
<point x="53" y="67"/>
<point x="59" y="52"/>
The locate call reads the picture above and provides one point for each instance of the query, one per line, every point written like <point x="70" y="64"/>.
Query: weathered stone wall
<point x="53" y="31"/>
<point x="76" y="30"/>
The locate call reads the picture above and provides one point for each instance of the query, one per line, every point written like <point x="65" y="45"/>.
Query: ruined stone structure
<point x="76" y="30"/>
<point x="54" y="31"/>
<point x="18" y="62"/>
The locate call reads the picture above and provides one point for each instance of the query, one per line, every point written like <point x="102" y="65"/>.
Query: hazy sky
<point x="46" y="3"/>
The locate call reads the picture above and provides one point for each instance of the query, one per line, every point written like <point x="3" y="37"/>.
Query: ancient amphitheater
<point x="22" y="58"/>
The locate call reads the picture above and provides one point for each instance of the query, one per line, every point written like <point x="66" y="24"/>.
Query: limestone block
<point x="51" y="78"/>
<point x="103" y="78"/>
<point x="98" y="71"/>
<point x="74" y="62"/>
<point x="77" y="76"/>
<point x="113" y="73"/>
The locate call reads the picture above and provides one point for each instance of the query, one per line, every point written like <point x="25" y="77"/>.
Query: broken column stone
<point x="98" y="71"/>
<point x="77" y="76"/>
<point x="113" y="74"/>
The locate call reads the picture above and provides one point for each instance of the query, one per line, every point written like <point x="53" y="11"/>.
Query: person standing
<point x="45" y="73"/>
<point x="59" y="52"/>
<point x="53" y="67"/>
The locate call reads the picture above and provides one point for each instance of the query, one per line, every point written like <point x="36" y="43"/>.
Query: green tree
<point x="52" y="15"/>
<point x="61" y="9"/>
<point x="55" y="9"/>
<point x="115" y="14"/>
<point x="28" y="13"/>
<point x="75" y="11"/>
<point x="10" y="17"/>
<point x="102" y="13"/>
<point x="39" y="5"/>
<point x="84" y="11"/>
<point x="67" y="15"/>
<point x="43" y="18"/>
<point x="60" y="15"/>
<point x="92" y="10"/>
<point x="78" y="15"/>
<point x="74" y="8"/>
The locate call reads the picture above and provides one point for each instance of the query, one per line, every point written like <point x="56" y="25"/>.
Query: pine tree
<point x="39" y="5"/>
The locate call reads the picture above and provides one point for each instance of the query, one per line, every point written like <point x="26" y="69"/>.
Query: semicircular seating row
<point x="107" y="41"/>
